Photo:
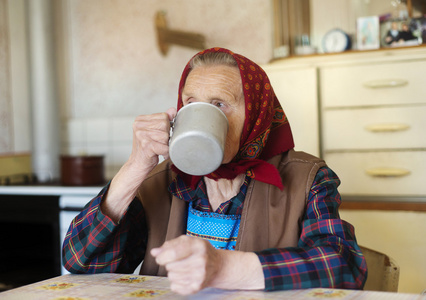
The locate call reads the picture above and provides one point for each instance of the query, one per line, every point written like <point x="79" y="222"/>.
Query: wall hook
<point x="167" y="37"/>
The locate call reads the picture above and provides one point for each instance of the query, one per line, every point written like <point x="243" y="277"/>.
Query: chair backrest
<point x="383" y="272"/>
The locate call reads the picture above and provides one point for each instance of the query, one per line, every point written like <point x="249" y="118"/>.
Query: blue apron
<point x="220" y="230"/>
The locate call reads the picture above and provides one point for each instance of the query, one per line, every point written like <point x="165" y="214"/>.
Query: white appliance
<point x="70" y="206"/>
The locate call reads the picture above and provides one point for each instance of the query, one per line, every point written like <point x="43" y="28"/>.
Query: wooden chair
<point x="383" y="272"/>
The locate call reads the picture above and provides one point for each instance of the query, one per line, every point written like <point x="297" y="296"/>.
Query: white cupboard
<point x="374" y="126"/>
<point x="364" y="113"/>
<point x="371" y="130"/>
<point x="296" y="90"/>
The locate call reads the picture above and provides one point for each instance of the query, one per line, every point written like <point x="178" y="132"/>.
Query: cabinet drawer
<point x="375" y="128"/>
<point x="380" y="173"/>
<point x="375" y="84"/>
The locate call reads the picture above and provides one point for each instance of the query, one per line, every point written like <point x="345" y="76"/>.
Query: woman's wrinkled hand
<point x="191" y="263"/>
<point x="151" y="139"/>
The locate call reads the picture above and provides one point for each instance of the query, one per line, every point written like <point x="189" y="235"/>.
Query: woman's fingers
<point x="191" y="263"/>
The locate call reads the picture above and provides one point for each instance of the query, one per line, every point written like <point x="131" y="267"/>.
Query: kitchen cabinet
<point x="373" y="125"/>
<point x="371" y="109"/>
<point x="296" y="89"/>
<point x="364" y="112"/>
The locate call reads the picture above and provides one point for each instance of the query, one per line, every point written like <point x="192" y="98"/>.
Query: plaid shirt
<point x="327" y="254"/>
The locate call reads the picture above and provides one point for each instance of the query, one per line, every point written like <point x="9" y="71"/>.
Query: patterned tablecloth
<point x="119" y="286"/>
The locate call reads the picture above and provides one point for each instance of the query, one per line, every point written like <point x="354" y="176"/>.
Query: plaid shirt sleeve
<point x="95" y="244"/>
<point x="327" y="254"/>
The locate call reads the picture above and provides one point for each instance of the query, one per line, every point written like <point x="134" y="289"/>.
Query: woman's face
<point x="221" y="86"/>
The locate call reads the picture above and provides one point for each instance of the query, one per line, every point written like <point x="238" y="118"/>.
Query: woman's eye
<point x="219" y="104"/>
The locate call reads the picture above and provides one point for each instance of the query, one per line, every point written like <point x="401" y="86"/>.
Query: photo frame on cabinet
<point x="368" y="33"/>
<point x="401" y="33"/>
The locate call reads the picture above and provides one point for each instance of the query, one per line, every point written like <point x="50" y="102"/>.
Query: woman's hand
<point x="150" y="140"/>
<point x="193" y="264"/>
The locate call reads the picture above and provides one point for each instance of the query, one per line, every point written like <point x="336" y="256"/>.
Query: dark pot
<point x="82" y="170"/>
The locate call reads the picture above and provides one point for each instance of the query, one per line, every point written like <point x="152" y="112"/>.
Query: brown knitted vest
<point x="271" y="217"/>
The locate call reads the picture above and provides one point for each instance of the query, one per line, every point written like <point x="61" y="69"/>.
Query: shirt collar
<point x="199" y="200"/>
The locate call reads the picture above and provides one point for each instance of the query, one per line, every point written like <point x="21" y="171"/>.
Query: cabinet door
<point x="297" y="91"/>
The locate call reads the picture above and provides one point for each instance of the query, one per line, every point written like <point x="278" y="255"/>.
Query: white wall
<point x="115" y="65"/>
<point x="112" y="70"/>
<point x="109" y="69"/>
<point x="342" y="14"/>
<point x="19" y="74"/>
<point x="6" y="128"/>
<point x="14" y="85"/>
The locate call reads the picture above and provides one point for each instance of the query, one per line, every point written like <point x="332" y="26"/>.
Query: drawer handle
<point x="387" y="172"/>
<point x="385" y="83"/>
<point x="387" y="127"/>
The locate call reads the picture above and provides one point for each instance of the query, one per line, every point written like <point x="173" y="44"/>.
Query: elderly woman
<point x="281" y="205"/>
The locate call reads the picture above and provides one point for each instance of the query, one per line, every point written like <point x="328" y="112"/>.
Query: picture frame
<point x="368" y="33"/>
<point x="402" y="33"/>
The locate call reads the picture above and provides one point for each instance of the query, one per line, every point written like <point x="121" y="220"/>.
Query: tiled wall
<point x="111" y="137"/>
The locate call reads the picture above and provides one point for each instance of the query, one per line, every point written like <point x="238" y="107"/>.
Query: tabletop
<point x="121" y="286"/>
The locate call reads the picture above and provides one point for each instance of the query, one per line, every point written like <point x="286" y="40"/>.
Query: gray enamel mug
<point x="197" y="144"/>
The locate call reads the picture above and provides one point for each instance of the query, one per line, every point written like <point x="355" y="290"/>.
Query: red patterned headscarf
<point x="266" y="130"/>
